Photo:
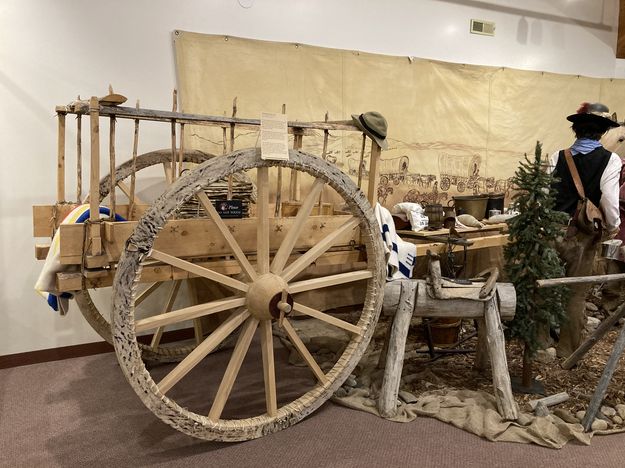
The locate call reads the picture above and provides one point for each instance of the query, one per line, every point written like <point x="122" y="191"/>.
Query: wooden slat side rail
<point x="60" y="169"/>
<point x="198" y="119"/>
<point x="47" y="218"/>
<point x="188" y="237"/>
<point x="160" y="272"/>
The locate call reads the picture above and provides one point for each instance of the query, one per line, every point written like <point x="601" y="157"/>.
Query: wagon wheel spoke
<point x="147" y="293"/>
<point x="167" y="170"/>
<point x="269" y="369"/>
<point x="331" y="280"/>
<point x="198" y="270"/>
<point x="202" y="350"/>
<point x="262" y="215"/>
<point x="188" y="313"/>
<point x="234" y="245"/>
<point x="319" y="249"/>
<point x="240" y="350"/>
<point x="173" y="294"/>
<point x="303" y="351"/>
<point x="327" y="318"/>
<point x="124" y="188"/>
<point x="303" y="213"/>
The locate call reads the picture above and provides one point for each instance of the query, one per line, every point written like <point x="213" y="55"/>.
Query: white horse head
<point x="614" y="140"/>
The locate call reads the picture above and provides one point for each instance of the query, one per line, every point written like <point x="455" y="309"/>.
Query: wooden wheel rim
<point x="84" y="301"/>
<point x="140" y="244"/>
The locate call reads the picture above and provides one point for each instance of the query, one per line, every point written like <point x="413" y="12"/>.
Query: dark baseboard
<point x="86" y="349"/>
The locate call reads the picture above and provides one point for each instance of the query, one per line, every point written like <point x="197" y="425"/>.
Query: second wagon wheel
<point x="252" y="390"/>
<point x="96" y="313"/>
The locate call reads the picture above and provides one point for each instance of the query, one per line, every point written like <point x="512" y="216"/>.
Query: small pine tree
<point x="531" y="255"/>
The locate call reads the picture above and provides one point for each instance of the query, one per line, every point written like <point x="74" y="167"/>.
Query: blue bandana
<point x="584" y="146"/>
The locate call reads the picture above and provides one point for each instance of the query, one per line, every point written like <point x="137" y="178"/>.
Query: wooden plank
<point x="165" y="116"/>
<point x="160" y="272"/>
<point x="201" y="238"/>
<point x="41" y="251"/>
<point x="47" y="218"/>
<point x="60" y="161"/>
<point x="488" y="229"/>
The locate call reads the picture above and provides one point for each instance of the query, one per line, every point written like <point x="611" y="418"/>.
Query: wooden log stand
<point x="407" y="298"/>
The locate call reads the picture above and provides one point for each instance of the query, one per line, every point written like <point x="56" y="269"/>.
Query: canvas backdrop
<point x="452" y="128"/>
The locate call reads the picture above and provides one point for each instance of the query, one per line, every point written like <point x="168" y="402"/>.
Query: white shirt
<point x="609" y="185"/>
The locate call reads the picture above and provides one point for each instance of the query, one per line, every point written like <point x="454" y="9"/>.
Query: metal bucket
<point x="475" y="205"/>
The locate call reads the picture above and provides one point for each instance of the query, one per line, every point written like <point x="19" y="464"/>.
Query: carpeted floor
<point x="81" y="412"/>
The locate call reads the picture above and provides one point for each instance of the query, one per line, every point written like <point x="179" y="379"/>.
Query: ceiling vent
<point x="487" y="28"/>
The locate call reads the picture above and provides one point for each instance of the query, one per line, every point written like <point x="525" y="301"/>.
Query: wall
<point x="54" y="50"/>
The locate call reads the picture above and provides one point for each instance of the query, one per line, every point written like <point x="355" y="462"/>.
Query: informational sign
<point x="229" y="208"/>
<point x="274" y="136"/>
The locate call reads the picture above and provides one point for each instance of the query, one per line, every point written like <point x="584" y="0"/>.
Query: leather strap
<point x="573" y="170"/>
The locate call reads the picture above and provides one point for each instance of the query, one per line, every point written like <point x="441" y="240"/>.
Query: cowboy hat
<point x="374" y="125"/>
<point x="595" y="112"/>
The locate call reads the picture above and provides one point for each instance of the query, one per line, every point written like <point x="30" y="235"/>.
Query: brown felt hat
<point x="374" y="125"/>
<point x="593" y="112"/>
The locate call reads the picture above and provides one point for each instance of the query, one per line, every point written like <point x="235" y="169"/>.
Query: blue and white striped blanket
<point x="46" y="283"/>
<point x="400" y="255"/>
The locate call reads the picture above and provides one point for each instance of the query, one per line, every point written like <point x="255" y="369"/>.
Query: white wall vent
<point x="486" y="28"/>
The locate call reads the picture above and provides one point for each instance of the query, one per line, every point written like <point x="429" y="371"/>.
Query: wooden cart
<point x="263" y="266"/>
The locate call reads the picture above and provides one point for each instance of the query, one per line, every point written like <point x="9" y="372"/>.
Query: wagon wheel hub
<point x="264" y="297"/>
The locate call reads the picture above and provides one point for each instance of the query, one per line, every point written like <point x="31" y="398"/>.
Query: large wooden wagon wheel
<point x="196" y="396"/>
<point x="99" y="319"/>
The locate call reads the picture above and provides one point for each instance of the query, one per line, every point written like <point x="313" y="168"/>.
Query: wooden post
<point x="78" y="157"/>
<point x="234" y="114"/>
<point x="112" y="198"/>
<point x="60" y="168"/>
<point x="597" y="398"/>
<point x="181" y="150"/>
<point x="133" y="176"/>
<point x="374" y="172"/>
<point x="173" y="138"/>
<point x="94" y="180"/>
<point x="294" y="189"/>
<point x="361" y="162"/>
<point x="481" y="350"/>
<point x="278" y="208"/>
<point x="499" y="364"/>
<point x="601" y="330"/>
<point x="324" y="151"/>
<point x="396" y="347"/>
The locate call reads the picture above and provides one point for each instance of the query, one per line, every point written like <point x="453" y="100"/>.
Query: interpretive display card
<point x="274" y="136"/>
